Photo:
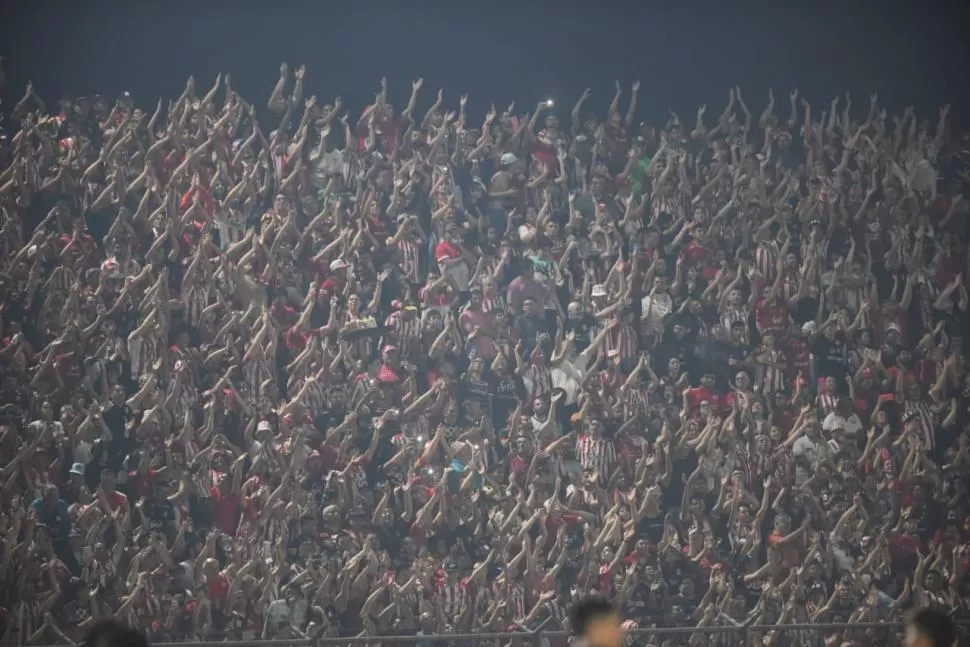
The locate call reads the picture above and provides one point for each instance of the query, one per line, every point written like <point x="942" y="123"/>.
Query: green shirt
<point x="638" y="175"/>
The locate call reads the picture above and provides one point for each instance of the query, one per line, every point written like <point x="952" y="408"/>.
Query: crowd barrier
<point x="886" y="634"/>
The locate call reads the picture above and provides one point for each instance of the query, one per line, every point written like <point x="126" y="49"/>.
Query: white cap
<point x="599" y="290"/>
<point x="263" y="426"/>
<point x="337" y="264"/>
<point x="508" y="158"/>
<point x="808" y="328"/>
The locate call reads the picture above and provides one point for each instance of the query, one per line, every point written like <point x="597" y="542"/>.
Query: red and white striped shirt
<point x="625" y="340"/>
<point x="410" y="259"/>
<point x="405" y="333"/>
<point x="925" y="419"/>
<point x="827" y="402"/>
<point x="766" y="259"/>
<point x="597" y="454"/>
<point x="452" y="598"/>
<point x="196" y="299"/>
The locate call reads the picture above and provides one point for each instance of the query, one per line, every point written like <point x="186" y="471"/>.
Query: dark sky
<point x="910" y="52"/>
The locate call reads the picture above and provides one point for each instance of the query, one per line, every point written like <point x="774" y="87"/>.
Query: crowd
<point x="407" y="374"/>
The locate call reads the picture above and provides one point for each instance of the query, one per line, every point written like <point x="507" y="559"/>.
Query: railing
<point x="885" y="634"/>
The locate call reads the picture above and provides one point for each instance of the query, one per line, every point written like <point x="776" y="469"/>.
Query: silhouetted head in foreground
<point x="598" y="622"/>
<point x="930" y="628"/>
<point x="109" y="633"/>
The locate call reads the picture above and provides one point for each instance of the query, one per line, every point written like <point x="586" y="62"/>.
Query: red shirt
<point x="116" y="500"/>
<point x="204" y="197"/>
<point x="140" y="485"/>
<point x="446" y="250"/>
<point x="218" y="588"/>
<point x="700" y="394"/>
<point x="785" y="418"/>
<point x="296" y="339"/>
<point x="789" y="554"/>
<point x="799" y="355"/>
<point x="83" y="247"/>
<point x="388" y="131"/>
<point x="903" y="549"/>
<point x="616" y="141"/>
<point x="519" y="468"/>
<point x="226" y="510"/>
<point x="771" y="315"/>
<point x="331" y="286"/>
<point x="696" y="253"/>
<point x="418" y="534"/>
<point x="927" y="371"/>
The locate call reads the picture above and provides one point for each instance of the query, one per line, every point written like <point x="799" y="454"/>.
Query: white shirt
<point x="812" y="451"/>
<point x="568" y="375"/>
<point x="662" y="305"/>
<point x="850" y="426"/>
<point x="56" y="428"/>
<point x="82" y="452"/>
<point x="277" y="613"/>
<point x="326" y="164"/>
<point x="459" y="271"/>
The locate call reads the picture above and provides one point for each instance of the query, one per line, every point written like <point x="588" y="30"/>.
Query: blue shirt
<point x="58" y="519"/>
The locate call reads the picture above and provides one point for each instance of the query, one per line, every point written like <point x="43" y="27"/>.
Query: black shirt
<point x="529" y="328"/>
<point x="116" y="418"/>
<point x="831" y="359"/>
<point x="160" y="515"/>
<point x="583" y="330"/>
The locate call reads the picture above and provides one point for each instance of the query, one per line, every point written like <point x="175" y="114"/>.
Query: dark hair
<point x="587" y="611"/>
<point x="109" y="633"/>
<point x="935" y="625"/>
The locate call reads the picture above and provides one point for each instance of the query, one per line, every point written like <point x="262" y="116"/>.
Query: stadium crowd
<point x="405" y="373"/>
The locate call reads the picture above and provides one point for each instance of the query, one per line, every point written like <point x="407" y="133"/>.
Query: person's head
<point x="737" y="331"/>
<point x="742" y="381"/>
<point x="531" y="307"/>
<point x="476" y="298"/>
<point x="930" y="628"/>
<point x="107" y="480"/>
<point x="598" y="621"/>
